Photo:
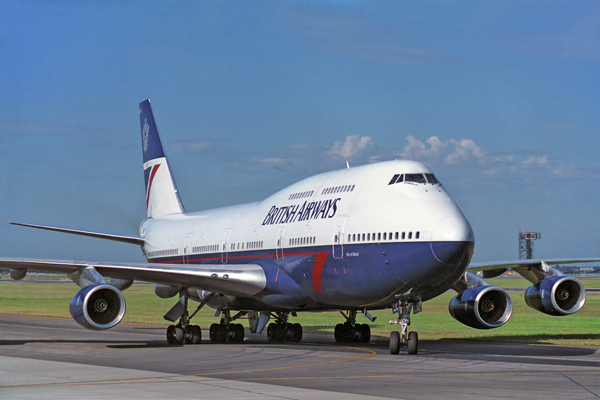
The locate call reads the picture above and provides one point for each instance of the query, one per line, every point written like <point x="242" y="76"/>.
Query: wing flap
<point x="242" y="280"/>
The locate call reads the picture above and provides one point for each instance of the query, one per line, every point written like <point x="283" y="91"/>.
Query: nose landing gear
<point x="410" y="340"/>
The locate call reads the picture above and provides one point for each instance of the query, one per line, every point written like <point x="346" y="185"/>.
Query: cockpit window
<point x="431" y="178"/>
<point x="417" y="178"/>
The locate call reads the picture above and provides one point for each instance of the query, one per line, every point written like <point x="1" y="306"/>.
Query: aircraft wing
<point x="229" y="279"/>
<point x="515" y="264"/>
<point x="532" y="270"/>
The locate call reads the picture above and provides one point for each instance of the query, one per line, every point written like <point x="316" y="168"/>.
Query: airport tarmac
<point x="55" y="358"/>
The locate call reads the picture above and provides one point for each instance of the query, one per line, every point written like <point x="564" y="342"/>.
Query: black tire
<point x="339" y="333"/>
<point x="296" y="332"/>
<point x="394" y="342"/>
<point x="365" y="333"/>
<point x="239" y="332"/>
<point x="272" y="331"/>
<point x="212" y="333"/>
<point x="188" y="334"/>
<point x="179" y="335"/>
<point x="171" y="334"/>
<point x="196" y="334"/>
<point x="413" y="343"/>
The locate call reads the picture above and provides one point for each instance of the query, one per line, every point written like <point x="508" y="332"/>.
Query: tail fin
<point x="162" y="197"/>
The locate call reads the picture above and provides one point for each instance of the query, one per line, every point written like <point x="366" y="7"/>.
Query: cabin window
<point x="384" y="236"/>
<point x="379" y="236"/>
<point x="352" y="188"/>
<point x="403" y="235"/>
<point x="368" y="236"/>
<point x="417" y="234"/>
<point x="410" y="235"/>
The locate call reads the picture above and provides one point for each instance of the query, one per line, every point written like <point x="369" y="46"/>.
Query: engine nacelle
<point x="98" y="307"/>
<point x="560" y="295"/>
<point x="481" y="307"/>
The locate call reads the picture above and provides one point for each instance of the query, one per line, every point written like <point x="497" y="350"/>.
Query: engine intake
<point x="98" y="307"/>
<point x="560" y="295"/>
<point x="481" y="307"/>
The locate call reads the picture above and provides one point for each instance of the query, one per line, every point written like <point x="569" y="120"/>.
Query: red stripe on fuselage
<point x="154" y="169"/>
<point x="318" y="270"/>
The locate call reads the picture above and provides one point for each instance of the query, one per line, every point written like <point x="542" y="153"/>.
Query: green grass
<point x="525" y="325"/>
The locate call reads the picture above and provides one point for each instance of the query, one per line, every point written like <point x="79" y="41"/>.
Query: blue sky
<point x="500" y="98"/>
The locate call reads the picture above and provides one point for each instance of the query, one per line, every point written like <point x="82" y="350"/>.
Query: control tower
<point x="526" y="244"/>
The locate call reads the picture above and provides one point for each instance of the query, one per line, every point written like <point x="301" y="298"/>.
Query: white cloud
<point x="465" y="150"/>
<point x="434" y="150"/>
<point x="536" y="160"/>
<point x="352" y="147"/>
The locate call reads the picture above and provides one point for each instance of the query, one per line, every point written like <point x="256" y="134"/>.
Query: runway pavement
<point x="55" y="358"/>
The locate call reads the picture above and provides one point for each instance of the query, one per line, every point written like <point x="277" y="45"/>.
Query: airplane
<point x="377" y="236"/>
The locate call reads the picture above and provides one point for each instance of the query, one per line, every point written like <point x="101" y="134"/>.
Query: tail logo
<point x="145" y="134"/>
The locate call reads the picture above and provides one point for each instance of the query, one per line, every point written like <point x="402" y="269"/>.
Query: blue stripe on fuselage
<point x="369" y="274"/>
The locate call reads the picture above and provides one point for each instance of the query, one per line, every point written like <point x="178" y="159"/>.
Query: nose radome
<point x="453" y="229"/>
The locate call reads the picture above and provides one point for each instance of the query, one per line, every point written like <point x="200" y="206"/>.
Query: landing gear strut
<point x="350" y="331"/>
<point x="410" y="340"/>
<point x="283" y="331"/>
<point x="183" y="331"/>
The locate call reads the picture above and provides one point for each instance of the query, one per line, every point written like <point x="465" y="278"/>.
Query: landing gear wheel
<point x="171" y="334"/>
<point x="394" y="342"/>
<point x="413" y="343"/>
<point x="274" y="332"/>
<point x="218" y="333"/>
<point x="364" y="331"/>
<point x="179" y="335"/>
<point x="238" y="332"/>
<point x="339" y="333"/>
<point x="296" y="333"/>
<point x="195" y="335"/>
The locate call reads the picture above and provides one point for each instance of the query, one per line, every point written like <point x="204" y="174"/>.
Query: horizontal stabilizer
<point x="98" y="235"/>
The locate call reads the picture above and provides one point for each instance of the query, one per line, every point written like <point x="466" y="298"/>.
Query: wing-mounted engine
<point x="98" y="307"/>
<point x="479" y="304"/>
<point x="560" y="295"/>
<point x="482" y="307"/>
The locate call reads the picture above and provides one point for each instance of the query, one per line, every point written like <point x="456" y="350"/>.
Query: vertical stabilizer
<point x="162" y="197"/>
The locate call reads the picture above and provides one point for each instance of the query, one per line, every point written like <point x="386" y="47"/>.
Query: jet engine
<point x="560" y="295"/>
<point x="481" y="307"/>
<point x="98" y="307"/>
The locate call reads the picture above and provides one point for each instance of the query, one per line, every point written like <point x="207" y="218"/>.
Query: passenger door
<point x="338" y="238"/>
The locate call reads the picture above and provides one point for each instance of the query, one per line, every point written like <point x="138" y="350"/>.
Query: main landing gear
<point x="225" y="331"/>
<point x="410" y="340"/>
<point x="183" y="331"/>
<point x="350" y="331"/>
<point x="283" y="331"/>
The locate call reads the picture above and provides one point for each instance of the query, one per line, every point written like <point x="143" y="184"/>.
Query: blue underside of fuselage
<point x="369" y="275"/>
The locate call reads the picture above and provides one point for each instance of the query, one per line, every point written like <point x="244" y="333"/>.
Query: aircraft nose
<point x="453" y="229"/>
<point x="452" y="241"/>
